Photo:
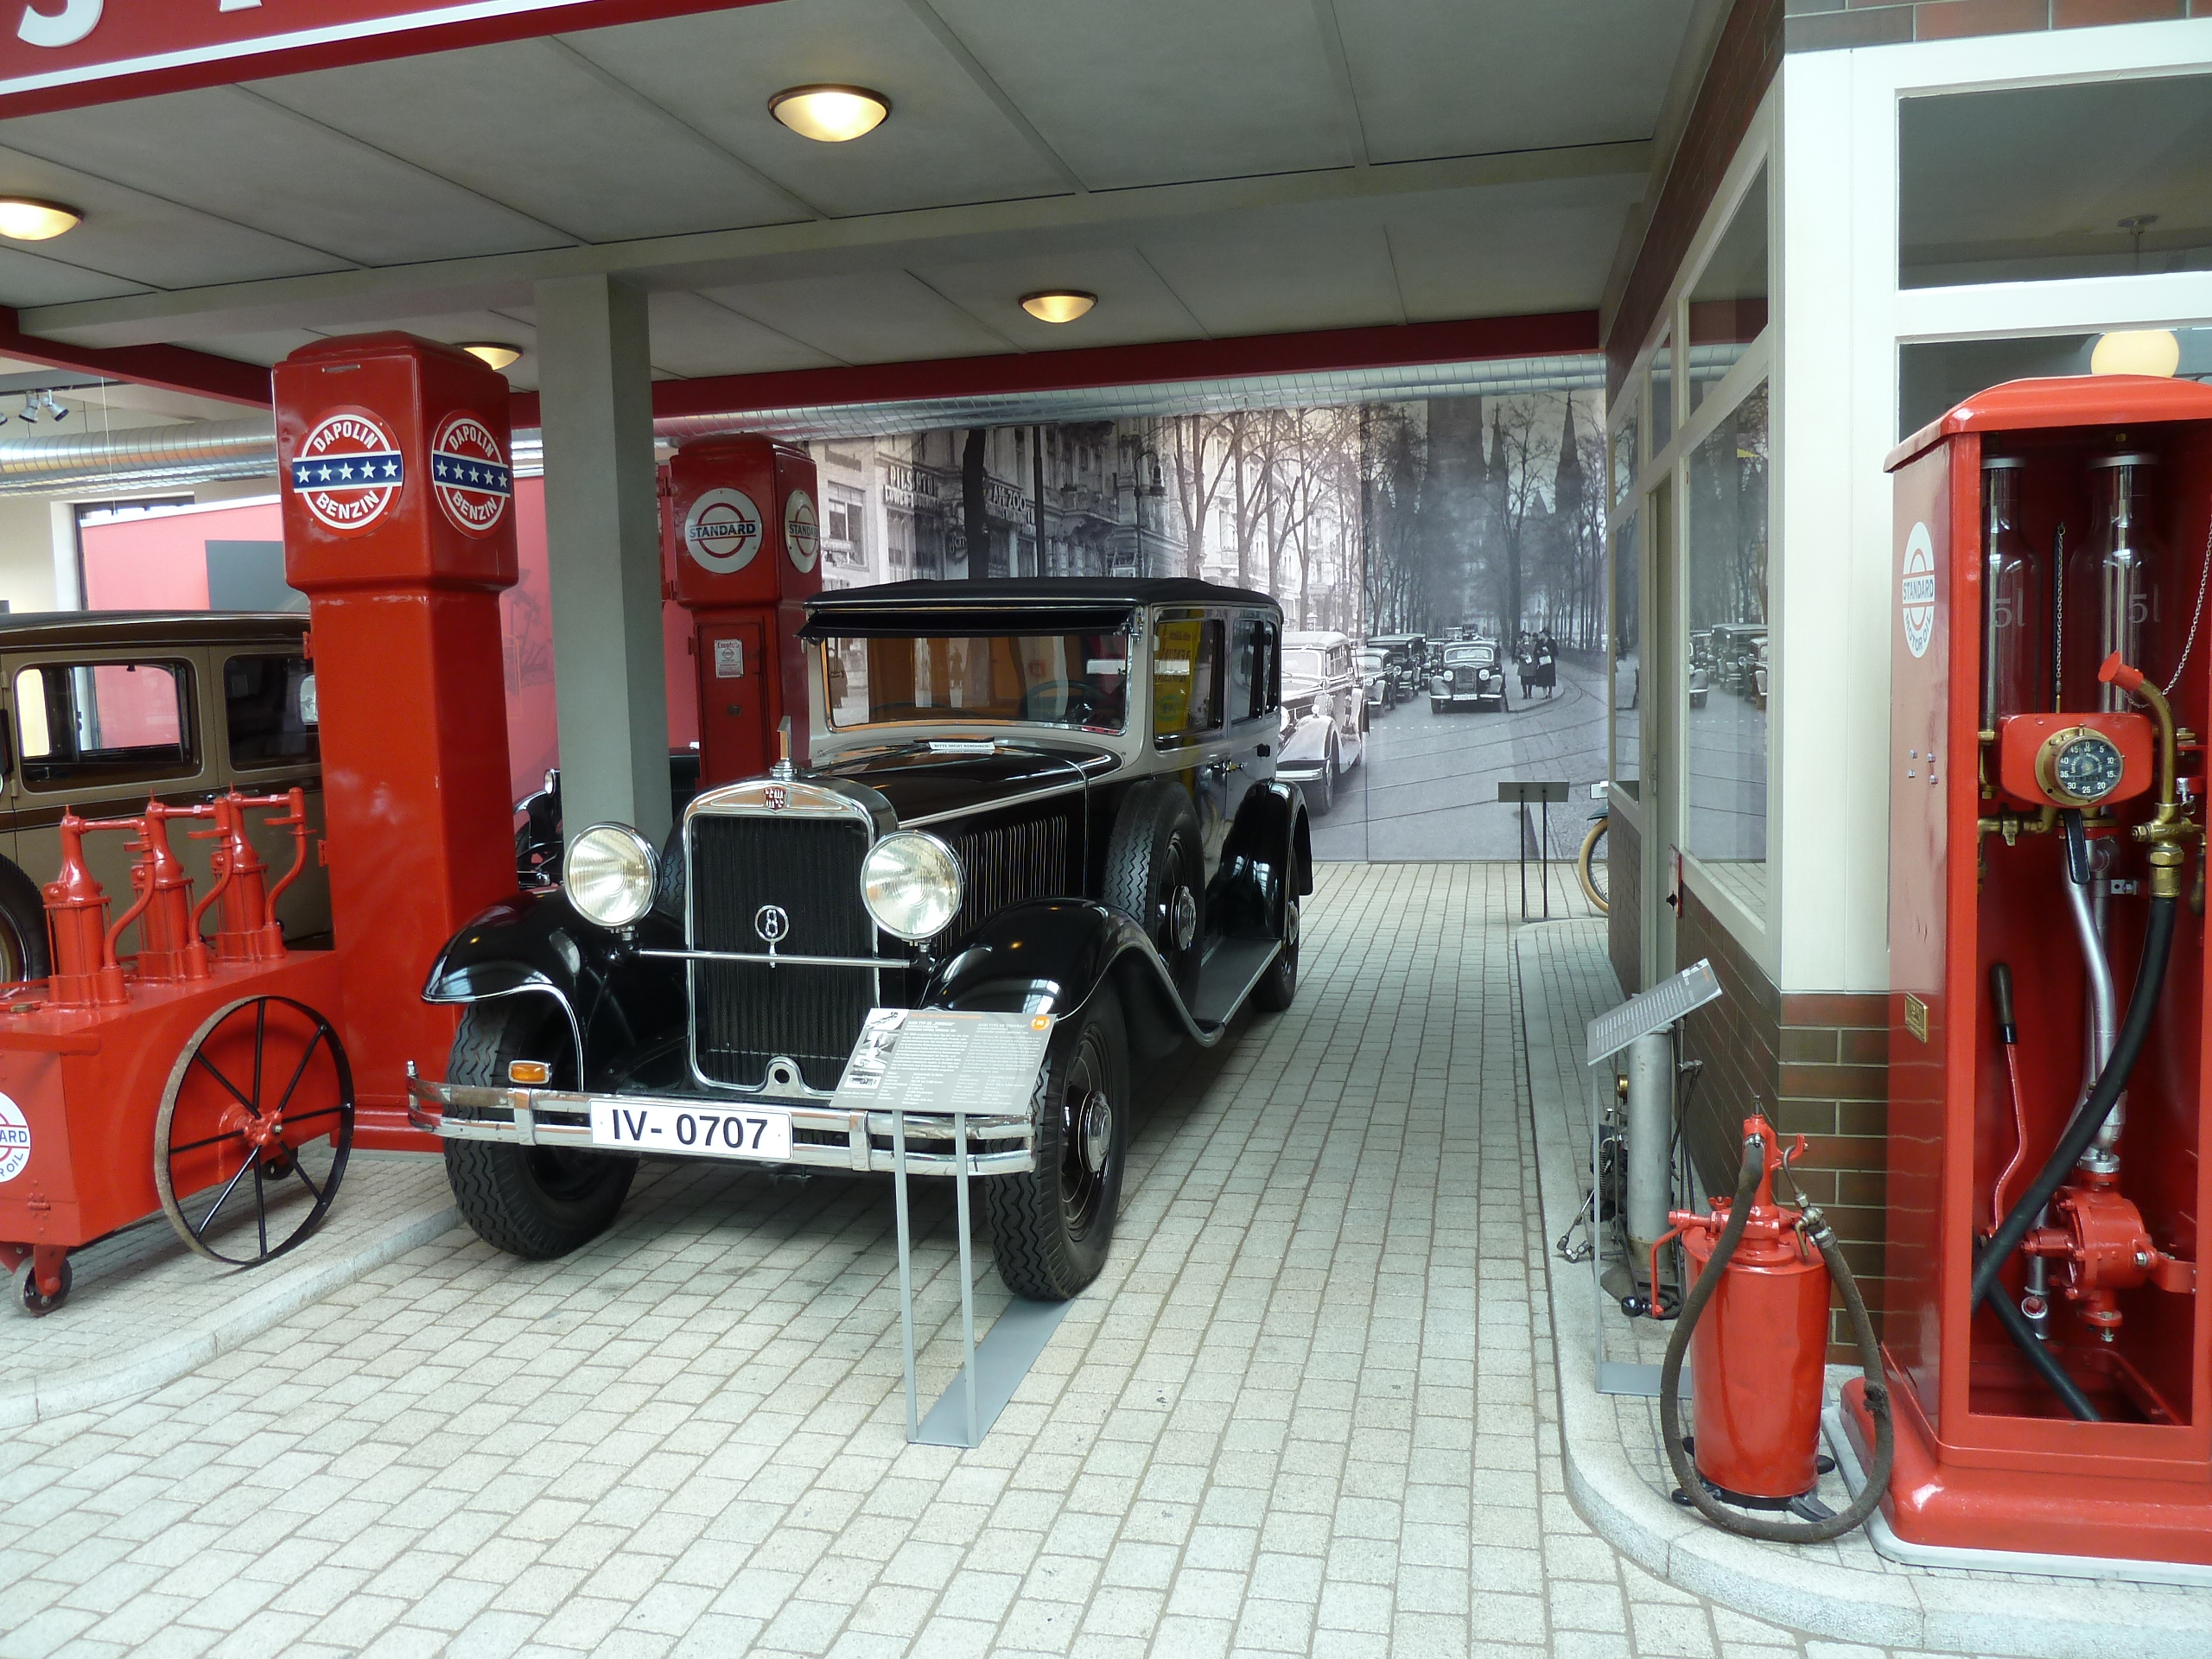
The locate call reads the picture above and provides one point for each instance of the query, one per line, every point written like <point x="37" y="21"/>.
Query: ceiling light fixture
<point x="24" y="218"/>
<point x="494" y="354"/>
<point x="1059" y="304"/>
<point x="2136" y="351"/>
<point x="28" y="413"/>
<point x="832" y="115"/>
<point x="59" y="410"/>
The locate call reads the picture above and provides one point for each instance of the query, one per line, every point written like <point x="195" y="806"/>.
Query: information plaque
<point x="920" y="1060"/>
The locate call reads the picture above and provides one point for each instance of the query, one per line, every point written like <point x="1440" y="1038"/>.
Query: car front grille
<point x="744" y="1014"/>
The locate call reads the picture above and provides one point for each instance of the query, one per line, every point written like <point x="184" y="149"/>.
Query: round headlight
<point x="910" y="884"/>
<point x="608" y="875"/>
<point x="1324" y="705"/>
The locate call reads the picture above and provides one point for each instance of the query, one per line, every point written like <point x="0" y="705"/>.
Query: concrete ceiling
<point x="1235" y="166"/>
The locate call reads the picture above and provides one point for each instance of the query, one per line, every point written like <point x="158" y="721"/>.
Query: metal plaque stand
<point x="1522" y="792"/>
<point x="1647" y="1011"/>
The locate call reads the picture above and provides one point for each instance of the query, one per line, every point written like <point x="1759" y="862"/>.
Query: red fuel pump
<point x="748" y="554"/>
<point x="2049" y="1149"/>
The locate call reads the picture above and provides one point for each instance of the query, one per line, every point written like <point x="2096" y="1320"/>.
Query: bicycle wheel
<point x="1591" y="868"/>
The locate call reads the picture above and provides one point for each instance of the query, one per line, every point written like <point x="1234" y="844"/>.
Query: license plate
<point x="703" y="1131"/>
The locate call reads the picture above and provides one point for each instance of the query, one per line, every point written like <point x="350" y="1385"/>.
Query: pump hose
<point x="1870" y="1360"/>
<point x="2112" y="1082"/>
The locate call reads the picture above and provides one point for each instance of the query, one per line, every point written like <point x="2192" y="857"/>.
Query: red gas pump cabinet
<point x="745" y="531"/>
<point x="2005" y="587"/>
<point x="399" y="526"/>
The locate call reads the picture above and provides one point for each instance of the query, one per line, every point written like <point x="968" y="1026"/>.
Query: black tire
<point x="1050" y="1228"/>
<point x="24" y="952"/>
<point x="31" y="1298"/>
<point x="534" y="1201"/>
<point x="1323" y="793"/>
<point x="1156" y="874"/>
<point x="1278" y="986"/>
<point x="1437" y="706"/>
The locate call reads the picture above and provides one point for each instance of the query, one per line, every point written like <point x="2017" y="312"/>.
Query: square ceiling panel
<point x="1522" y="248"/>
<point x="1475" y="77"/>
<point x="531" y="125"/>
<point x="27" y="278"/>
<point x="1134" y="304"/>
<point x="1315" y="268"/>
<point x="693" y="336"/>
<point x="1154" y="92"/>
<point x="944" y="143"/>
<point x="230" y="155"/>
<point x="866" y="317"/>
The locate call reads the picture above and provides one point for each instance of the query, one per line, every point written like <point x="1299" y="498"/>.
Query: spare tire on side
<point x="1156" y="874"/>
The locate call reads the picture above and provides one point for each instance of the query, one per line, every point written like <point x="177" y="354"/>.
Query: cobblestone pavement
<point x="1309" y="1408"/>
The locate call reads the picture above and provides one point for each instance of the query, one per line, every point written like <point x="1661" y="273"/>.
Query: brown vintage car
<point x="100" y="710"/>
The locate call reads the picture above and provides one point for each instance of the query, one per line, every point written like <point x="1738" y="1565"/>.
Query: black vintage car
<point x="1051" y="798"/>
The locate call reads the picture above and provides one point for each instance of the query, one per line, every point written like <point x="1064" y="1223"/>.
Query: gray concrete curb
<point x="1947" y="1611"/>
<point x="163" y="1359"/>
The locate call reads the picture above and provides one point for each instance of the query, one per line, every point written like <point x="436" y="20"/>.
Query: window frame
<point x="192" y="733"/>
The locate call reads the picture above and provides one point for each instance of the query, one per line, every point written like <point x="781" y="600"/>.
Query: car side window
<point x="1255" y="670"/>
<point x="105" y="722"/>
<point x="269" y="709"/>
<point x="1340" y="661"/>
<point x="1186" y="664"/>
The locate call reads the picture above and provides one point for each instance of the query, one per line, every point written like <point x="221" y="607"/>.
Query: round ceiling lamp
<point x="1059" y="304"/>
<point x="27" y="219"/>
<point x="2137" y="351"/>
<point x="832" y="115"/>
<point x="495" y="353"/>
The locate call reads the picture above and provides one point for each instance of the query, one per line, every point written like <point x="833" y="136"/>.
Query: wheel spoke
<point x="213" y="1140"/>
<point x="260" y="1043"/>
<point x="199" y="1059"/>
<point x="222" y="1198"/>
<point x="298" y="1072"/>
<point x="305" y="1180"/>
<point x="260" y="1208"/>
<point x="320" y="1111"/>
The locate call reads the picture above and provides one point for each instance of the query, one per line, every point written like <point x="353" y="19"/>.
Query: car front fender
<point x="1050" y="956"/>
<point x="1308" y="741"/>
<point x="619" y="1003"/>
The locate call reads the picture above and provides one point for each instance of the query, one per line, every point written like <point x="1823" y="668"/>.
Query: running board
<point x="1232" y="969"/>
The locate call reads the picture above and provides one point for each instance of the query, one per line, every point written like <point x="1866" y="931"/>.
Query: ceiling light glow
<point x="26" y="220"/>
<point x="1059" y="304"/>
<point x="832" y="115"/>
<point x="494" y="354"/>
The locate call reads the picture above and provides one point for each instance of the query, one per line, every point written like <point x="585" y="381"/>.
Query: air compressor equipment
<point x="2047" y="1348"/>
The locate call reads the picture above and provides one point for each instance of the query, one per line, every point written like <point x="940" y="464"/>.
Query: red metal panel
<point x="59" y="55"/>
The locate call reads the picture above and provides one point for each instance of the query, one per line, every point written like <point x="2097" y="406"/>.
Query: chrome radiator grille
<point x="745" y="1014"/>
<point x="1008" y="862"/>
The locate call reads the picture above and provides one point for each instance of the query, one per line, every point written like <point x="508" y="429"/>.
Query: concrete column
<point x="603" y="527"/>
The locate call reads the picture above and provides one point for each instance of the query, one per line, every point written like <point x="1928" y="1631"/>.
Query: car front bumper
<point x="824" y="1136"/>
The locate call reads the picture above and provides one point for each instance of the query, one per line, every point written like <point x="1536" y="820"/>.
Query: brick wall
<point x="1817" y="1063"/>
<point x="1824" y="25"/>
<point x="1625" y="897"/>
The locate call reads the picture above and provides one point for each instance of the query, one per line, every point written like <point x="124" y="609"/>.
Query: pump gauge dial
<point x="2078" y="766"/>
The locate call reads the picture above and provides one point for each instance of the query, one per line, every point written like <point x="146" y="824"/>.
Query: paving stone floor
<point x="1309" y="1408"/>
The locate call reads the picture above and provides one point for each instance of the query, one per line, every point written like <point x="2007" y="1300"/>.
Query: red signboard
<point x="60" y="54"/>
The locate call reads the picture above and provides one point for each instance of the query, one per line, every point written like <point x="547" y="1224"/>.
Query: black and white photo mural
<point x="1440" y="564"/>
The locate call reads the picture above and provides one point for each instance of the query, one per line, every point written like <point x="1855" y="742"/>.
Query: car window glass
<point x="1072" y="679"/>
<point x="269" y="707"/>
<point x="121" y="722"/>
<point x="1252" y="667"/>
<point x="1186" y="678"/>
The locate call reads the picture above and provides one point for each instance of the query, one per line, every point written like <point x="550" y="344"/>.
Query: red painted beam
<point x="173" y="368"/>
<point x="1475" y="339"/>
<point x="65" y="54"/>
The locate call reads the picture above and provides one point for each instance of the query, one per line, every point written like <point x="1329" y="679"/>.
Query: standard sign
<point x="933" y="1060"/>
<point x="703" y="1130"/>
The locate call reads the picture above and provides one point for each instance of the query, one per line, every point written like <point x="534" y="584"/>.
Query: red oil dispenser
<point x="748" y="554"/>
<point x="399" y="526"/>
<point x="2045" y="1339"/>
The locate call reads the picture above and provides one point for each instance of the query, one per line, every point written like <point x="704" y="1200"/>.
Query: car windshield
<point x="1078" y="680"/>
<point x="1471" y="654"/>
<point x="1309" y="666"/>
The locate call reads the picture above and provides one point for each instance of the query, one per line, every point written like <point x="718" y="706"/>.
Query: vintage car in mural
<point x="1472" y="673"/>
<point x="1047" y="798"/>
<point x="105" y="710"/>
<point x="1408" y="654"/>
<point x="1381" y="690"/>
<point x="1324" y="715"/>
<point x="1737" y="649"/>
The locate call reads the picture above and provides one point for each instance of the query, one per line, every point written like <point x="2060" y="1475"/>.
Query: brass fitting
<point x="2012" y="825"/>
<point x="2169" y="827"/>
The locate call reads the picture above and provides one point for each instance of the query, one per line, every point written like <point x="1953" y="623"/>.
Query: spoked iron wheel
<point x="254" y="1130"/>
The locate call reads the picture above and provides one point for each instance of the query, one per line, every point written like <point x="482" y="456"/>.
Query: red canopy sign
<point x="59" y="54"/>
